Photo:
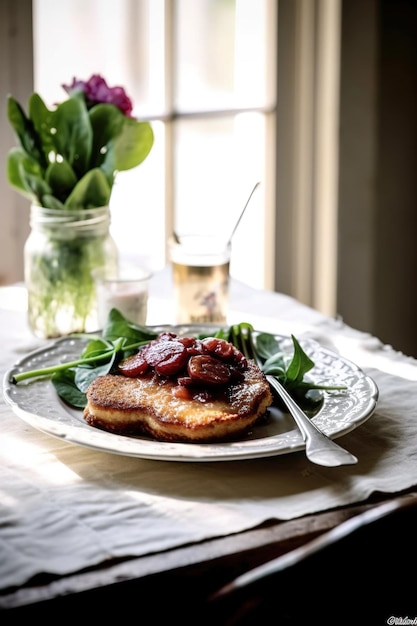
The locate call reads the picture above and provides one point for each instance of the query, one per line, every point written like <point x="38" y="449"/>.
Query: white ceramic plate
<point x="36" y="402"/>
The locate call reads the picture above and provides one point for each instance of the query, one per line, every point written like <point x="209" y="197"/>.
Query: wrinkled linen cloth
<point x="64" y="507"/>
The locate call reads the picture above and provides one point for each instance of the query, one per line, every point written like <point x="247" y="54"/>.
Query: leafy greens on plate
<point x="121" y="338"/>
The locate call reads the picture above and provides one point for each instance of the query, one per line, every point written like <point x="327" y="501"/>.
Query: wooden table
<point x="178" y="584"/>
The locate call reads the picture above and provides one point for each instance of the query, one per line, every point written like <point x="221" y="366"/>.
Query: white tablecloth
<point x="65" y="507"/>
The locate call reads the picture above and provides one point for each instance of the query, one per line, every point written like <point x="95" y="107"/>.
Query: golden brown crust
<point x="148" y="405"/>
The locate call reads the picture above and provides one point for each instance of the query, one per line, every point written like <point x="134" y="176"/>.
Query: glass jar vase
<point x="62" y="250"/>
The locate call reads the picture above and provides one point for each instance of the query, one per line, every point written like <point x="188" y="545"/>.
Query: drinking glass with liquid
<point x="126" y="289"/>
<point x="200" y="269"/>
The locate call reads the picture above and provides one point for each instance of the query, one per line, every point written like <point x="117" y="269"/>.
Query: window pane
<point x="138" y="207"/>
<point x="222" y="54"/>
<point x="217" y="163"/>
<point x="124" y="40"/>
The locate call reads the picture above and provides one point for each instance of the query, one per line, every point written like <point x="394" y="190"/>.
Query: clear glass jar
<point x="63" y="248"/>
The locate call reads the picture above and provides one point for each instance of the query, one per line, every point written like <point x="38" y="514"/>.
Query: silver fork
<point x="320" y="449"/>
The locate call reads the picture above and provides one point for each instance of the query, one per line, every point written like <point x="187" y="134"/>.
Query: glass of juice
<point x="200" y="270"/>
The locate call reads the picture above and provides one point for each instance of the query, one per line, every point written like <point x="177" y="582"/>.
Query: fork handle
<point x="320" y="449"/>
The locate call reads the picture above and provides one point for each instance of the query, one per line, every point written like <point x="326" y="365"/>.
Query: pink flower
<point x="97" y="91"/>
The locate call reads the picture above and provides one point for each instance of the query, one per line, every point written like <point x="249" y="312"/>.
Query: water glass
<point x="126" y="290"/>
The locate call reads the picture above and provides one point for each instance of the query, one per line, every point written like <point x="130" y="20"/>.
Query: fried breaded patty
<point x="150" y="405"/>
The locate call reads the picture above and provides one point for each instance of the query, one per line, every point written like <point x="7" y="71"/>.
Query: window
<point x="236" y="90"/>
<point x="203" y="73"/>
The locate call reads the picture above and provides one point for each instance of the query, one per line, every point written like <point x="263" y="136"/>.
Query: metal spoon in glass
<point x="243" y="210"/>
<point x="320" y="449"/>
